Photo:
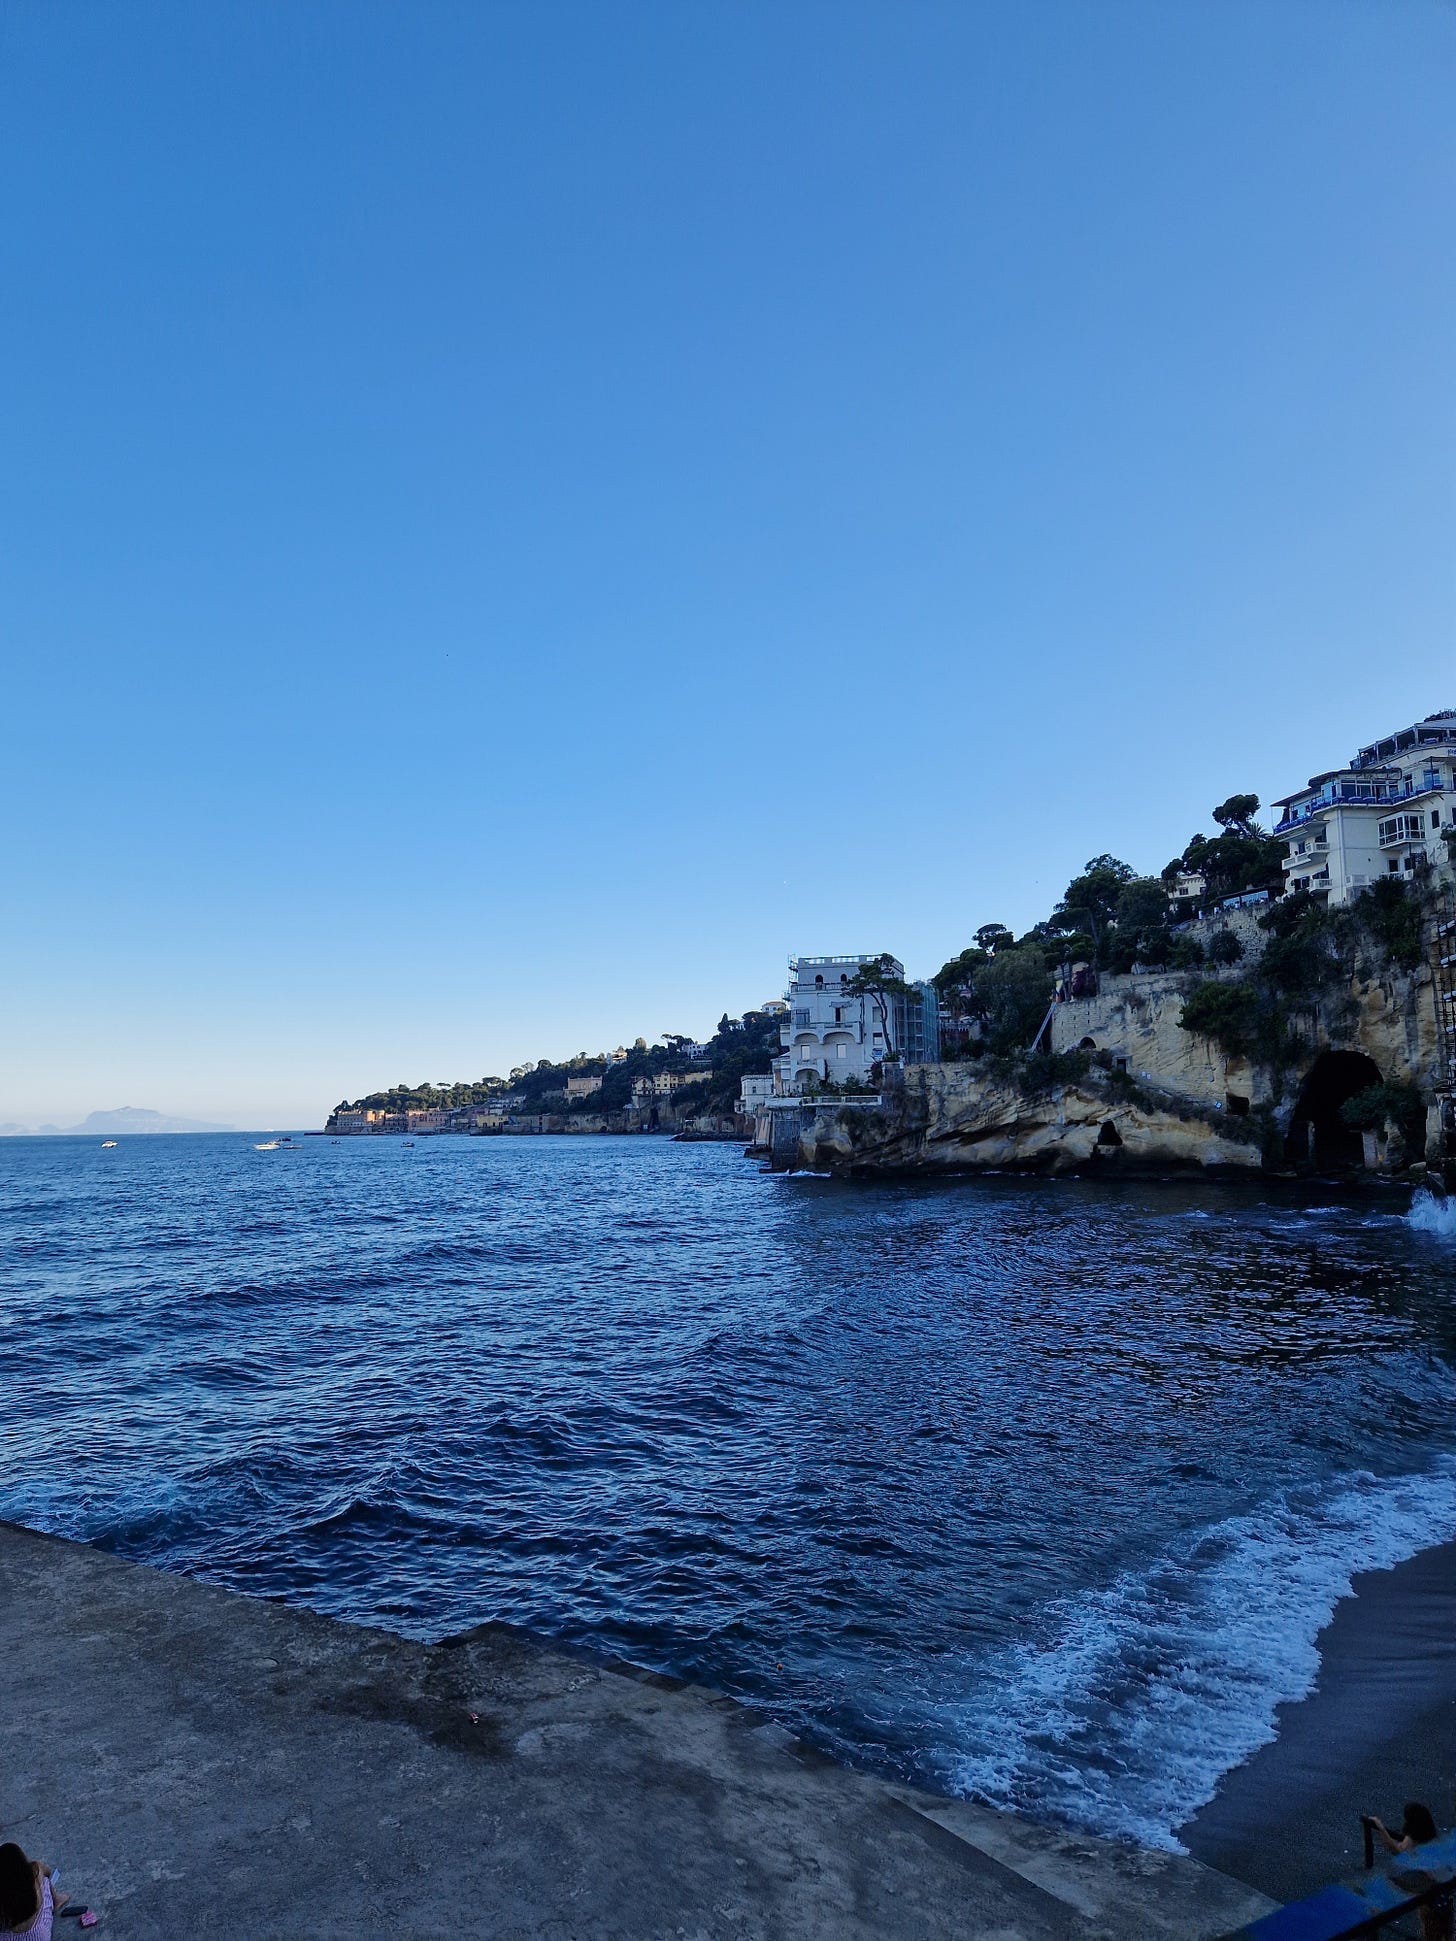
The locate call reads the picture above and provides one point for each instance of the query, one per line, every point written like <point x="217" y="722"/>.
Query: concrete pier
<point x="200" y="1763"/>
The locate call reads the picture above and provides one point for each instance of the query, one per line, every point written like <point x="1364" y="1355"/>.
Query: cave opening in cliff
<point x="1318" y="1136"/>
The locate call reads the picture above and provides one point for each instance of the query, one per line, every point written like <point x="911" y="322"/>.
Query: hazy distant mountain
<point x="10" y="1127"/>
<point x="138" y="1118"/>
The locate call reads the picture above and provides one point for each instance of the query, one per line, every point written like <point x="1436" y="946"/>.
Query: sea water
<point x="1036" y="1491"/>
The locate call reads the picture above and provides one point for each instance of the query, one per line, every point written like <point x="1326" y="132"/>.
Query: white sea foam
<point x="1134" y="1700"/>
<point x="1430" y="1215"/>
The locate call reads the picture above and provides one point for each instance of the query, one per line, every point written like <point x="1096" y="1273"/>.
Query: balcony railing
<point x="1360" y="795"/>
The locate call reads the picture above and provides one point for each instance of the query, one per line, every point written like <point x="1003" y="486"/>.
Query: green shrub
<point x="1229" y="1014"/>
<point x="1225" y="948"/>
<point x="1393" y="914"/>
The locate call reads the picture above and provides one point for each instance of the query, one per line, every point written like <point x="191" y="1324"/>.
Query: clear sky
<point x="516" y="518"/>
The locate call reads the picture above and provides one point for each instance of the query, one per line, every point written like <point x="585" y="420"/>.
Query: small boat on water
<point x="286" y="1144"/>
<point x="106" y="1144"/>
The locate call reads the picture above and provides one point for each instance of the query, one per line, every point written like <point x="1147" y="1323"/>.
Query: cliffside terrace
<point x="1347" y="790"/>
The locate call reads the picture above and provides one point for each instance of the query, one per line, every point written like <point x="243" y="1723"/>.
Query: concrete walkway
<point x="198" y="1763"/>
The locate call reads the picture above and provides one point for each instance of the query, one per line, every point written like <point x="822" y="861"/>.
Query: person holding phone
<point x="28" y="1902"/>
<point x="1417" y="1826"/>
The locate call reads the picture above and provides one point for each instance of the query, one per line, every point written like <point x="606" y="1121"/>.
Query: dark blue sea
<point x="1034" y="1491"/>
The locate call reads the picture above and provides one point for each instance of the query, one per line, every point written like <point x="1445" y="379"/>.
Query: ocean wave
<point x="1133" y="1702"/>
<point x="1430" y="1215"/>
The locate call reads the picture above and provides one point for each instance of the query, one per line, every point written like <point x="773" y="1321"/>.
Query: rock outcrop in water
<point x="965" y="1118"/>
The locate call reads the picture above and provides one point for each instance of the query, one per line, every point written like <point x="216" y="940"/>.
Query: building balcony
<point x="1359" y="795"/>
<point x="1314" y="852"/>
<point x="1402" y="829"/>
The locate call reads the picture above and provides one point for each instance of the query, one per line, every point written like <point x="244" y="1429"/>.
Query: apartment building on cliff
<point x="1386" y="814"/>
<point x="830" y="1034"/>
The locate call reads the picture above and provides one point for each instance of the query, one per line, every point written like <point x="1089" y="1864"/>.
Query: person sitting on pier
<point x="1417" y="1826"/>
<point x="28" y="1904"/>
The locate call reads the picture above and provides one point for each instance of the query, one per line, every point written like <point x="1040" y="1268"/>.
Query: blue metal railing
<point x="1363" y="795"/>
<point x="1370" y="1904"/>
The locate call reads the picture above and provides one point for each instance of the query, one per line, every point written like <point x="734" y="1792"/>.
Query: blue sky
<point x="517" y="518"/>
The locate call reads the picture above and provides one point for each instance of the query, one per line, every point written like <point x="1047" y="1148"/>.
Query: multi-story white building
<point x="827" y="1033"/>
<point x="830" y="1034"/>
<point x="1384" y="815"/>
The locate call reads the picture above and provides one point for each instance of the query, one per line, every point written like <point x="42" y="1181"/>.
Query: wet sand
<point x="1378" y="1729"/>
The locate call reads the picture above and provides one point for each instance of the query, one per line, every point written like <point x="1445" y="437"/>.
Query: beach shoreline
<point x="1379" y="1728"/>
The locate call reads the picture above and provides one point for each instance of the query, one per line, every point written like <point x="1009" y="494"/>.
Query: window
<point x="1435" y="818"/>
<point x="1394" y="864"/>
<point x="839" y="1014"/>
<point x="841" y="1051"/>
<point x="806" y="1052"/>
<point x="1403" y="828"/>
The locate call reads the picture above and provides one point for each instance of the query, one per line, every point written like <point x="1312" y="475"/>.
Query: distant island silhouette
<point x="122" y="1118"/>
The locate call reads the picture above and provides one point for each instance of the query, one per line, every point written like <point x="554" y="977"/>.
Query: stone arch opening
<point x="1318" y="1136"/>
<point x="1109" y="1134"/>
<point x="1087" y="1044"/>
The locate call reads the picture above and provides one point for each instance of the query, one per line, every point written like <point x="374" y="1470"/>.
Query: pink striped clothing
<point x="40" y="1927"/>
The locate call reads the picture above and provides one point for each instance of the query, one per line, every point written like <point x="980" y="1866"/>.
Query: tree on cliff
<point x="1241" y="859"/>
<point x="1139" y="932"/>
<point x="880" y="980"/>
<point x="957" y="976"/>
<point x="1089" y="901"/>
<point x="1238" y="814"/>
<point x="1012" y="994"/>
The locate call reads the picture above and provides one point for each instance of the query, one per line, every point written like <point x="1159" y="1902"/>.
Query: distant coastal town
<point x="1278" y="997"/>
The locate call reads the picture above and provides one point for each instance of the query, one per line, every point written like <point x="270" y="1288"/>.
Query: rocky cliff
<point x="967" y="1118"/>
<point x="1129" y="1088"/>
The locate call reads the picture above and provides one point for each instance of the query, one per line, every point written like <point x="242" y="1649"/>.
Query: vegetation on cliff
<point x="737" y="1047"/>
<point x="1310" y="959"/>
<point x="1108" y="918"/>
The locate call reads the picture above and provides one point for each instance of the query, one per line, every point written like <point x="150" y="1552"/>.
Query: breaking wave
<point x="1431" y="1215"/>
<point x="1135" y="1700"/>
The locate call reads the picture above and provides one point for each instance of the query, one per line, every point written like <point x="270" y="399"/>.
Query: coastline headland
<point x="197" y="1761"/>
<point x="1241" y="1012"/>
<point x="1160" y="1071"/>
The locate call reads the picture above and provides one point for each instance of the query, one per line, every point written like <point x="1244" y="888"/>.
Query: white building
<point x="827" y="1033"/>
<point x="1186" y="891"/>
<point x="754" y="1090"/>
<point x="1384" y="815"/>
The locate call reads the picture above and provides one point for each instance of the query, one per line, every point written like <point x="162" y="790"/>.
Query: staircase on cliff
<point x="1443" y="964"/>
<point x="1443" y="953"/>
